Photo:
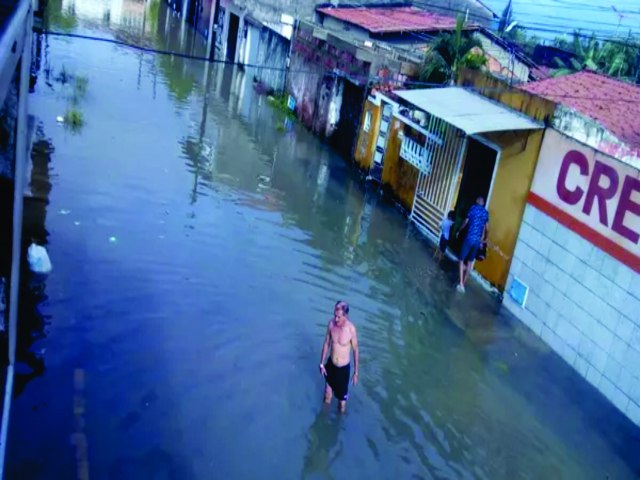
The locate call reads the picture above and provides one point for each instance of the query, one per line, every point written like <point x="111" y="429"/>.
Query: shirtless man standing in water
<point x="341" y="336"/>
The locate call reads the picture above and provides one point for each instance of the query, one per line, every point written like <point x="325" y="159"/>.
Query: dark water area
<point x="199" y="240"/>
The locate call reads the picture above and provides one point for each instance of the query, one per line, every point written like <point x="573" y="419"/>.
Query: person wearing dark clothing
<point x="477" y="222"/>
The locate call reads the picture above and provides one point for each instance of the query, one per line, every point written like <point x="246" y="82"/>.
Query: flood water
<point x="199" y="241"/>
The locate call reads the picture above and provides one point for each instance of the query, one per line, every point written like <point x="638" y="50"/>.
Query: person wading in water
<point x="477" y="234"/>
<point x="341" y="337"/>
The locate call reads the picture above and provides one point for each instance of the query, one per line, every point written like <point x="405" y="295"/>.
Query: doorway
<point x="477" y="175"/>
<point x="232" y="37"/>
<point x="346" y="132"/>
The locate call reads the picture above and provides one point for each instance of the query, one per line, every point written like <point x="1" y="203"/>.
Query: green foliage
<point x="451" y="52"/>
<point x="80" y="84"/>
<point x="57" y="18"/>
<point x="74" y="119"/>
<point x="619" y="58"/>
<point x="474" y="61"/>
<point x="74" y="89"/>
<point x="281" y="104"/>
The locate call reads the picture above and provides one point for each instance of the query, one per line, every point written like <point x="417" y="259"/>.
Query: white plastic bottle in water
<point x="38" y="259"/>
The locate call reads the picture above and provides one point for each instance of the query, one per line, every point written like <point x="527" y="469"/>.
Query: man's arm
<point x="356" y="355"/>
<point x="325" y="349"/>
<point x="485" y="234"/>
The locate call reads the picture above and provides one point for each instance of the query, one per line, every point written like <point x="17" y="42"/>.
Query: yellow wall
<point x="366" y="145"/>
<point x="498" y="90"/>
<point x="513" y="179"/>
<point x="400" y="176"/>
<point x="518" y="160"/>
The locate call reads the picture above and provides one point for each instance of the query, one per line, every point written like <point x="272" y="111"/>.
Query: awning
<point x="468" y="111"/>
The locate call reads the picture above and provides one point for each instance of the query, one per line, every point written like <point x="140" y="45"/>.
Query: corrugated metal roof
<point x="393" y="19"/>
<point x="470" y="112"/>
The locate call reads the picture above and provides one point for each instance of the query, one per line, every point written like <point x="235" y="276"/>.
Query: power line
<point x="558" y="4"/>
<point x="365" y="78"/>
<point x="542" y="28"/>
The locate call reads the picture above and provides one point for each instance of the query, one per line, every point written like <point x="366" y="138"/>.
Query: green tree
<point x="617" y="58"/>
<point x="58" y="18"/>
<point x="451" y="52"/>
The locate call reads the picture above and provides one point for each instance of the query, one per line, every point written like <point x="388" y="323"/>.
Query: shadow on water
<point x="31" y="323"/>
<point x="154" y="464"/>
<point x="322" y="444"/>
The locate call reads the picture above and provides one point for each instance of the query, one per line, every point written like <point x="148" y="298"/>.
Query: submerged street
<point x="199" y="241"/>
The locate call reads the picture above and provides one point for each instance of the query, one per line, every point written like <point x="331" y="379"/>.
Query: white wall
<point x="584" y="304"/>
<point x="592" y="133"/>
<point x="507" y="60"/>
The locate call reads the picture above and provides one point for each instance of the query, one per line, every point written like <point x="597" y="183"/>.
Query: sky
<point x="566" y="15"/>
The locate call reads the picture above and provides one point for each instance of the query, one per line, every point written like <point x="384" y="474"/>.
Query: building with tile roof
<point x="411" y="30"/>
<point x="390" y="20"/>
<point x="573" y="276"/>
<point x="597" y="110"/>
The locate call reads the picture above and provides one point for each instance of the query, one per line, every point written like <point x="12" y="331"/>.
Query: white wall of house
<point x="592" y="133"/>
<point x="507" y="59"/>
<point x="584" y="304"/>
<point x="584" y="285"/>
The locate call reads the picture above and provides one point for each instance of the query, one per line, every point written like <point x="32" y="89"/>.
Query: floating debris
<point x="502" y="366"/>
<point x="38" y="259"/>
<point x="76" y="223"/>
<point x="65" y="212"/>
<point x="60" y="119"/>
<point x="113" y="239"/>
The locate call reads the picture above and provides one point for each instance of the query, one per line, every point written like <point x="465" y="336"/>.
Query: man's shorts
<point x="469" y="250"/>
<point x="338" y="379"/>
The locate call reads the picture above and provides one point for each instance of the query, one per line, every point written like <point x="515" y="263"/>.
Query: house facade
<point x="411" y="29"/>
<point x="329" y="76"/>
<point x="438" y="149"/>
<point x="574" y="278"/>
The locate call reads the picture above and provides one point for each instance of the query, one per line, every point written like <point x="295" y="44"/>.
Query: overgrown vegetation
<point x="451" y="52"/>
<point x="74" y="89"/>
<point x="80" y="87"/>
<point x="281" y="104"/>
<point x="74" y="119"/>
<point x="616" y="58"/>
<point x="58" y="18"/>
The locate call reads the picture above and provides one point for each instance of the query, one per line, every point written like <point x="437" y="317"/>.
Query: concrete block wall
<point x="583" y="303"/>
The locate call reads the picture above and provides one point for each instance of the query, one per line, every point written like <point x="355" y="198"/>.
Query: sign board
<point x="591" y="193"/>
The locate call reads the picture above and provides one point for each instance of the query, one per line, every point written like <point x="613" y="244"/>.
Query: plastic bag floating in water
<point x="38" y="259"/>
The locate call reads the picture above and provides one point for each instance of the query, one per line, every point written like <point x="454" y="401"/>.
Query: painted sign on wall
<point x="593" y="194"/>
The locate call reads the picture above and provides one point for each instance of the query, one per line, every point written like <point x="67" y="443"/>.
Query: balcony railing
<point x="416" y="155"/>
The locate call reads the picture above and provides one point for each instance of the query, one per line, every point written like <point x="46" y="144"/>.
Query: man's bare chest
<point x="341" y="335"/>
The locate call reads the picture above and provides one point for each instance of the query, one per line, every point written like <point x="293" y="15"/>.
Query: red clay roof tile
<point x="393" y="19"/>
<point x="612" y="103"/>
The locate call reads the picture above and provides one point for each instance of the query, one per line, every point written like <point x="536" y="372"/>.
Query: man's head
<point x="480" y="201"/>
<point x="340" y="312"/>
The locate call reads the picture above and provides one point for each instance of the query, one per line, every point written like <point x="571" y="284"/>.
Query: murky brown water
<point x="199" y="243"/>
